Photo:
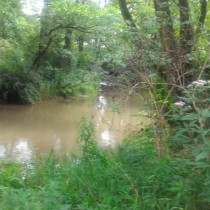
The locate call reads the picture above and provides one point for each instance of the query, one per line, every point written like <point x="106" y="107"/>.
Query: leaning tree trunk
<point x="126" y="14"/>
<point x="45" y="39"/>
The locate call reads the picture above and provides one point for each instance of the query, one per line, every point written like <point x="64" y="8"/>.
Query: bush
<point x="192" y="118"/>
<point x="19" y="86"/>
<point x="191" y="136"/>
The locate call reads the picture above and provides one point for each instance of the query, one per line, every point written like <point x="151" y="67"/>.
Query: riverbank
<point x="132" y="177"/>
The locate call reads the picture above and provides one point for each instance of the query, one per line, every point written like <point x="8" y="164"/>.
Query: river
<point x="30" y="130"/>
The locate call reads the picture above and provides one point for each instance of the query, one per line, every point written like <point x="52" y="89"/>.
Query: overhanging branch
<point x="68" y="26"/>
<point x="43" y="48"/>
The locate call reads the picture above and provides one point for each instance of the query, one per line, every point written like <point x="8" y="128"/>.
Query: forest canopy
<point x="61" y="42"/>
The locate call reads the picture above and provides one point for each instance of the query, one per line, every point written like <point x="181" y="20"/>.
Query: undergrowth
<point x="130" y="178"/>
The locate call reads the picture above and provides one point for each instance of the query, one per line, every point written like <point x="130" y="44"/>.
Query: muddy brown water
<point x="27" y="131"/>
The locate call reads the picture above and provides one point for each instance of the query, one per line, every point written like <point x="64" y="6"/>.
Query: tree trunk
<point x="68" y="39"/>
<point x="186" y="29"/>
<point x="45" y="39"/>
<point x="203" y="11"/>
<point x="137" y="43"/>
<point x="186" y="43"/>
<point x="81" y="43"/>
<point x="68" y="46"/>
<point x="167" y="39"/>
<point x="179" y="72"/>
<point x="126" y="14"/>
<point x="41" y="54"/>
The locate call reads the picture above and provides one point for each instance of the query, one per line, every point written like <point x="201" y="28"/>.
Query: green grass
<point x="130" y="178"/>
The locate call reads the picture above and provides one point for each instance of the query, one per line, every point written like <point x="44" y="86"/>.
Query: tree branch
<point x="79" y="28"/>
<point x="43" y="48"/>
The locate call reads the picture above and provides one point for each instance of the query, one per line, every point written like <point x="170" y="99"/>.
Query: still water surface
<point x="28" y="131"/>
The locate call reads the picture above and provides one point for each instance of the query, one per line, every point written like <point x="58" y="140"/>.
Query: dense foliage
<point x="71" y="38"/>
<point x="155" y="49"/>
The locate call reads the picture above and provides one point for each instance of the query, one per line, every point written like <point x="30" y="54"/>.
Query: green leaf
<point x="205" y="113"/>
<point x="202" y="155"/>
<point x="190" y="116"/>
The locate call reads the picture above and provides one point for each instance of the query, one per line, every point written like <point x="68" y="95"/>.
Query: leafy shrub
<point x="10" y="175"/>
<point x="193" y="120"/>
<point x="61" y="82"/>
<point x="47" y="90"/>
<point x="19" y="86"/>
<point x="192" y="134"/>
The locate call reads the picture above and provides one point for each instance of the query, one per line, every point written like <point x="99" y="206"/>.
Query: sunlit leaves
<point x="71" y="12"/>
<point x="10" y="12"/>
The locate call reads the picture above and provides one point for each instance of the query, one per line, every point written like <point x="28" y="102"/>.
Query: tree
<point x="178" y="43"/>
<point x="60" y="18"/>
<point x="180" y="72"/>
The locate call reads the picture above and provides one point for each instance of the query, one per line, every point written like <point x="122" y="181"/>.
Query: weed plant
<point x="131" y="178"/>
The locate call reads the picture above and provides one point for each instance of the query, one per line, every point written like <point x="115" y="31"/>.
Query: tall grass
<point x="130" y="178"/>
